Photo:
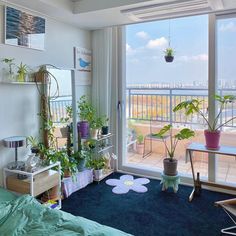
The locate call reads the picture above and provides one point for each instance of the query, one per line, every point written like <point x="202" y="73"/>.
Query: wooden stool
<point x="170" y="181"/>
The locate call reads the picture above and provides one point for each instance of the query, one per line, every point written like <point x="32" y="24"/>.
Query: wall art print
<point x="83" y="66"/>
<point x="24" y="29"/>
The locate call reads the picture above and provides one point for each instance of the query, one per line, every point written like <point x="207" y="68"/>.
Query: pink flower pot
<point x="212" y="139"/>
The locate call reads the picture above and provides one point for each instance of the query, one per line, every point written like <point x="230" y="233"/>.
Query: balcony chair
<point x="229" y="206"/>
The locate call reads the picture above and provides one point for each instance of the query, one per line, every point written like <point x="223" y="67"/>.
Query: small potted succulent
<point x="170" y="163"/>
<point x="169" y="54"/>
<point x="212" y="134"/>
<point x="95" y="125"/>
<point x="34" y="144"/>
<point x="140" y="144"/>
<point x="105" y="127"/>
<point x="86" y="114"/>
<point x="21" y="72"/>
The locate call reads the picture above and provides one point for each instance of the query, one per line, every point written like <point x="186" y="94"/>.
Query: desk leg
<point x="194" y="180"/>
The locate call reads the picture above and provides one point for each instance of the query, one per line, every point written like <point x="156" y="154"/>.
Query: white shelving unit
<point x="43" y="179"/>
<point x="104" y="145"/>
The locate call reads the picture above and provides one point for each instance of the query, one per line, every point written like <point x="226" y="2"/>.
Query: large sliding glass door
<point x="154" y="87"/>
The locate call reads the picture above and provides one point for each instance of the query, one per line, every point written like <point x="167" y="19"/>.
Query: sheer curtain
<point x="106" y="45"/>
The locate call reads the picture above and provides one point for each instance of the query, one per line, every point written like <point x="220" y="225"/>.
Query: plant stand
<point x="170" y="181"/>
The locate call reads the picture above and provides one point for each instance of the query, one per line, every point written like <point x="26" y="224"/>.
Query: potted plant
<point x="81" y="158"/>
<point x="140" y="144"/>
<point x="10" y="63"/>
<point x="21" y="72"/>
<point x="105" y="127"/>
<point x="68" y="164"/>
<point x="169" y="54"/>
<point x="66" y="121"/>
<point x="34" y="143"/>
<point x="97" y="164"/>
<point x="86" y="114"/>
<point x="170" y="163"/>
<point x="95" y="125"/>
<point x="212" y="134"/>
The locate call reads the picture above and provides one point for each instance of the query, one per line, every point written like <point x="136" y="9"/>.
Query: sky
<point x="145" y="43"/>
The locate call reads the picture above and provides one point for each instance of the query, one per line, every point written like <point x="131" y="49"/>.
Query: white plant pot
<point x="94" y="133"/>
<point x="97" y="174"/>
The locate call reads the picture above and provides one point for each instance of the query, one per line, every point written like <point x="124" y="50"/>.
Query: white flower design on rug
<point x="126" y="183"/>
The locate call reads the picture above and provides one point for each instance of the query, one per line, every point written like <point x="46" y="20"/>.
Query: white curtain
<point x="106" y="46"/>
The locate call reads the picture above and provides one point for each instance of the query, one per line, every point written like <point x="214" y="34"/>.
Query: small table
<point x="199" y="147"/>
<point x="43" y="179"/>
<point x="170" y="181"/>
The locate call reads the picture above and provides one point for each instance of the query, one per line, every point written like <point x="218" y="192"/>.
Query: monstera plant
<point x="212" y="134"/>
<point x="170" y="163"/>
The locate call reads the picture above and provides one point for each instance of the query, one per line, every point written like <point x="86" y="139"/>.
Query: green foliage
<point x="22" y="69"/>
<point x="174" y="139"/>
<point x="10" y="63"/>
<point x="194" y="106"/>
<point x="32" y="141"/>
<point x="69" y="115"/>
<point x="86" y="111"/>
<point x="67" y="163"/>
<point x="169" y="52"/>
<point x="96" y="163"/>
<point x="140" y="139"/>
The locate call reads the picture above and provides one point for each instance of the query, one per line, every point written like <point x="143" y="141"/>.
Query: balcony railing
<point x="58" y="108"/>
<point x="157" y="104"/>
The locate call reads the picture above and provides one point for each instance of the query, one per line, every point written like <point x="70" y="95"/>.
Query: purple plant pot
<point x="83" y="129"/>
<point x="212" y="139"/>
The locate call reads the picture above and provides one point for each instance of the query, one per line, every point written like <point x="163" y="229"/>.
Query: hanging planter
<point x="169" y="54"/>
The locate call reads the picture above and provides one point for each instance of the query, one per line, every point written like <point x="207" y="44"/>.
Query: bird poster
<point x="83" y="66"/>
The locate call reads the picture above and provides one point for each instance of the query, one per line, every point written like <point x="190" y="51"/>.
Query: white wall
<point x="19" y="104"/>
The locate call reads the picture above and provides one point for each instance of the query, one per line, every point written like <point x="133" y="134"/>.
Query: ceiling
<point x="94" y="14"/>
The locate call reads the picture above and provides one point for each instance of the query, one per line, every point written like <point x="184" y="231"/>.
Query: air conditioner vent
<point x="168" y="9"/>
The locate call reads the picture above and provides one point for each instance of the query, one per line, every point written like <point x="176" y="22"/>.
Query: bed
<point x="23" y="215"/>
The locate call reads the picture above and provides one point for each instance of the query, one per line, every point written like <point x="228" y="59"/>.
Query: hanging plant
<point x="169" y="54"/>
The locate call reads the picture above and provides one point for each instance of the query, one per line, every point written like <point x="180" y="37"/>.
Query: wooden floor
<point x="226" y="166"/>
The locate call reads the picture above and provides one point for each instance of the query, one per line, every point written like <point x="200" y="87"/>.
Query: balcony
<point x="148" y="109"/>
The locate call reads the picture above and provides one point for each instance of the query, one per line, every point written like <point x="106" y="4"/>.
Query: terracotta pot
<point x="140" y="148"/>
<point x="67" y="174"/>
<point x="170" y="167"/>
<point x="212" y="139"/>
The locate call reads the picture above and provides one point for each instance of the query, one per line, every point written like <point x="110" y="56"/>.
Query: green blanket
<point x="6" y="196"/>
<point x="25" y="216"/>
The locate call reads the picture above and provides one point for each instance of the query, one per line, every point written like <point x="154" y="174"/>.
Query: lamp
<point x="15" y="142"/>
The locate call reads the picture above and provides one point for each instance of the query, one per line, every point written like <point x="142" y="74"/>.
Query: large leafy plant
<point x="96" y="163"/>
<point x="195" y="106"/>
<point x="174" y="138"/>
<point x="86" y="110"/>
